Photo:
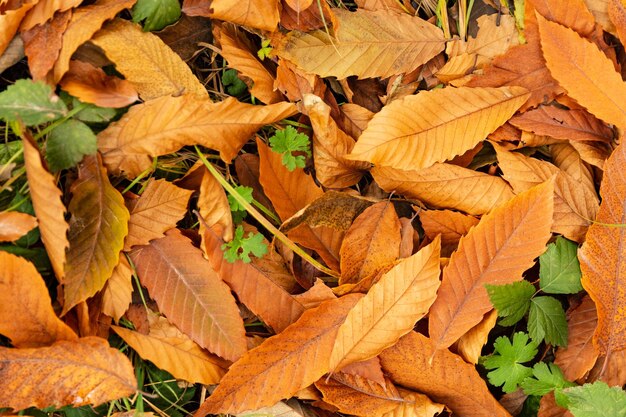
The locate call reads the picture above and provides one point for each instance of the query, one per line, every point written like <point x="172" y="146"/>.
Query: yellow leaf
<point x="160" y="207"/>
<point x="573" y="14"/>
<point x="390" y="309"/>
<point x="366" y="44"/>
<point x="190" y="294"/>
<point x="50" y="211"/>
<point x="260" y="14"/>
<point x="85" y="22"/>
<point x="497" y="250"/>
<point x="599" y="9"/>
<point x="451" y="225"/>
<point x="446" y="186"/>
<point x="166" y="124"/>
<point x="471" y="344"/>
<point x="14" y="225"/>
<point x="214" y="208"/>
<point x="282" y="365"/>
<point x="44" y="10"/>
<point x="147" y="62"/>
<point x="575" y="63"/>
<point x="26" y="314"/>
<point x="415" y="405"/>
<point x="98" y="226"/>
<point x="176" y="353"/>
<point x="9" y="23"/>
<point x="433" y="126"/>
<point x="568" y="160"/>
<point x="80" y="372"/>
<point x="117" y="294"/>
<point x="602" y="258"/>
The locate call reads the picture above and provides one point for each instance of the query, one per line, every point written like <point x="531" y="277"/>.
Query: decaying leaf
<point x="14" y="225"/>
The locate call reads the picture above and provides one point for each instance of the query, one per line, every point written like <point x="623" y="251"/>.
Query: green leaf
<point x="238" y="211"/>
<point x="233" y="84"/>
<point x="506" y="361"/>
<point x="157" y="13"/>
<point x="94" y="114"/>
<point x="265" y="50"/>
<point x="559" y="270"/>
<point x="512" y="301"/>
<point x="593" y="400"/>
<point x="31" y="102"/>
<point x="546" y="320"/>
<point x="546" y="377"/>
<point x="68" y="143"/>
<point x="288" y="141"/>
<point x="240" y="247"/>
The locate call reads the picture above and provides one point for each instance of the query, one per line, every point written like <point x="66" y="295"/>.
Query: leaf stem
<point x="262" y="220"/>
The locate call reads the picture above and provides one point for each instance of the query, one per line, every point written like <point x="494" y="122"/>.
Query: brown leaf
<point x="593" y="153"/>
<point x="92" y="85"/>
<point x="117" y="294"/>
<point x="568" y="160"/>
<point x="617" y="14"/>
<point x="307" y="19"/>
<point x="355" y="119"/>
<point x="260" y="14"/>
<point x="160" y="207"/>
<point x="451" y="225"/>
<point x="366" y="44"/>
<point x="247" y="168"/>
<point x="214" y="208"/>
<point x="443" y="376"/>
<point x="50" y="211"/>
<point x="14" y="225"/>
<point x="371" y="244"/>
<point x="44" y="10"/>
<point x="470" y="345"/>
<point x="452" y="121"/>
<point x="374" y="5"/>
<point x="549" y="408"/>
<point x="80" y="372"/>
<point x="98" y="226"/>
<point x="573" y="14"/>
<point x="497" y="250"/>
<point x="283" y="364"/>
<point x="164" y="125"/>
<point x="86" y="21"/>
<point x="190" y="294"/>
<point x="446" y="186"/>
<point x="185" y="35"/>
<point x="390" y="309"/>
<point x="27" y="317"/>
<point x="601" y="254"/>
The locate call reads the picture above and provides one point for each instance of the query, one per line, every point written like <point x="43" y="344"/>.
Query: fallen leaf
<point x="450" y="121"/>
<point x="415" y="405"/>
<point x="451" y="225"/>
<point x="569" y="161"/>
<point x="190" y="294"/>
<point x="390" y="309"/>
<point x="299" y="5"/>
<point x="374" y="5"/>
<point x="601" y="258"/>
<point x="214" y="208"/>
<point x="80" y="372"/>
<point x="44" y="10"/>
<point x="98" y="226"/>
<point x="260" y="14"/>
<point x="14" y="225"/>
<point x="23" y="295"/>
<point x="574" y="14"/>
<point x="366" y="44"/>
<point x="471" y="344"/>
<point x="9" y="23"/>
<point x="117" y="294"/>
<point x="497" y="250"/>
<point x="617" y="15"/>
<point x="443" y="376"/>
<point x="282" y="364"/>
<point x="599" y="9"/>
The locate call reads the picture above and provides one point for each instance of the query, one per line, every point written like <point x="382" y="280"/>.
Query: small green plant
<point x="234" y="86"/>
<point x="506" y="362"/>
<point x="237" y="210"/>
<point x="288" y="141"/>
<point x="593" y="400"/>
<point x="265" y="50"/>
<point x="240" y="247"/>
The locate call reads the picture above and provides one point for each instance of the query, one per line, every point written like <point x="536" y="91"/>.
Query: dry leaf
<point x="568" y="160"/>
<point x="190" y="294"/>
<point x="260" y="14"/>
<point x="117" y="294"/>
<point x="371" y="244"/>
<point x="451" y="225"/>
<point x="160" y="207"/>
<point x="44" y="10"/>
<point x="415" y="405"/>
<point x="470" y="345"/>
<point x="573" y="14"/>
<point x="80" y="372"/>
<point x="147" y="62"/>
<point x="374" y="5"/>
<point x="98" y="226"/>
<point x="9" y="23"/>
<point x="282" y="364"/>
<point x="214" y="208"/>
<point x="366" y="44"/>
<point x="497" y="250"/>
<point x="390" y="309"/>
<point x="25" y="306"/>
<point x="443" y="376"/>
<point x="416" y="131"/>
<point x="617" y="14"/>
<point x="600" y="258"/>
<point x="446" y="186"/>
<point x="50" y="211"/>
<point x="14" y="225"/>
<point x="164" y="125"/>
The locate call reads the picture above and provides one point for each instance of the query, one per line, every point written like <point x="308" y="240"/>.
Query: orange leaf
<point x="260" y="14"/>
<point x="92" y="85"/>
<point x="415" y="405"/>
<point x="160" y="207"/>
<point x="282" y="365"/>
<point x="98" y="226"/>
<point x="50" y="211"/>
<point x="416" y="363"/>
<point x="26" y="313"/>
<point x="9" y="23"/>
<point x="568" y="160"/>
<point x="575" y="63"/>
<point x="573" y="14"/>
<point x="44" y="10"/>
<point x="446" y="186"/>
<point x="214" y="208"/>
<point x="617" y="14"/>
<point x="14" y="225"/>
<point x="86" y="21"/>
<point x="470" y="345"/>
<point x="117" y="294"/>
<point x="371" y="244"/>
<point x="601" y="257"/>
<point x="390" y="309"/>
<point x="451" y="225"/>
<point x="449" y="122"/>
<point x="42" y="44"/>
<point x="80" y="372"/>
<point x="166" y="124"/>
<point x="190" y="294"/>
<point x="497" y="250"/>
